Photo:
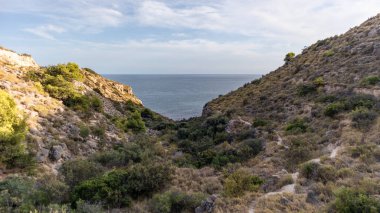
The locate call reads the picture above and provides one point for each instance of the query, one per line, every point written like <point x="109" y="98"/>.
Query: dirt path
<point x="291" y="187"/>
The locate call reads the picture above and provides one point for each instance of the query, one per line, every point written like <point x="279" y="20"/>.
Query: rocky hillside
<point x="57" y="131"/>
<point x="304" y="138"/>
<point x="319" y="117"/>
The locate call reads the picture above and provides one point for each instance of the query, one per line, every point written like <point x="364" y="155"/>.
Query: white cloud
<point x="225" y="36"/>
<point x="159" y="14"/>
<point x="294" y="21"/>
<point x="46" y="31"/>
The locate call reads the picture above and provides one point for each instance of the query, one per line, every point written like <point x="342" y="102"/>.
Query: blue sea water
<point x="180" y="96"/>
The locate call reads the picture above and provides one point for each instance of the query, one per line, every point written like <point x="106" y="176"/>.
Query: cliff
<point x="55" y="127"/>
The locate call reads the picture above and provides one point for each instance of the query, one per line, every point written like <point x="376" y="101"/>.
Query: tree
<point x="289" y="57"/>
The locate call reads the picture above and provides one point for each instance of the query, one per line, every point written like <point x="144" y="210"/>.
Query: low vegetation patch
<point x="306" y="89"/>
<point x="58" y="82"/>
<point x="176" y="201"/>
<point x="349" y="103"/>
<point x="370" y="81"/>
<point x="117" y="188"/>
<point x="296" y="126"/>
<point x="13" y="130"/>
<point x="241" y="181"/>
<point x="352" y="200"/>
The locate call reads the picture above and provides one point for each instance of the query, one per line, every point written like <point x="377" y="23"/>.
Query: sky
<point x="174" y="36"/>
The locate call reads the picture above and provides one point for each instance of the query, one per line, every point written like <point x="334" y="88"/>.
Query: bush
<point x="317" y="172"/>
<point x="296" y="126"/>
<point x="319" y="82"/>
<point x="134" y="123"/>
<point x="362" y="118"/>
<point x="289" y="57"/>
<point x="351" y="103"/>
<point x="241" y="181"/>
<point x="147" y="113"/>
<point x="350" y="200"/>
<point x="84" y="131"/>
<point x="22" y="194"/>
<point x="69" y="71"/>
<point x="333" y="109"/>
<point x="259" y="122"/>
<point x="12" y="134"/>
<point x="370" y="81"/>
<point x="250" y="148"/>
<point x="116" y="188"/>
<point x="58" y="82"/>
<point x="76" y="171"/>
<point x="16" y="194"/>
<point x="306" y="89"/>
<point x="138" y="150"/>
<point x="84" y="103"/>
<point x="175" y="201"/>
<point x="299" y="151"/>
<point x="328" y="53"/>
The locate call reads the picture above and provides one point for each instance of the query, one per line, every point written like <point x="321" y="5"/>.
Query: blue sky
<point x="174" y="37"/>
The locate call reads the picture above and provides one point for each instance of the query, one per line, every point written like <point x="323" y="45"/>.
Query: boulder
<point x="56" y="153"/>
<point x="207" y="206"/>
<point x="42" y="155"/>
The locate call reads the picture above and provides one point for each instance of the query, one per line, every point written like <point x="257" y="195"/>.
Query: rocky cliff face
<point x="15" y="59"/>
<point x="55" y="129"/>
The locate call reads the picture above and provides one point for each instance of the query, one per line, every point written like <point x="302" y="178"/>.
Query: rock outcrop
<point x="18" y="60"/>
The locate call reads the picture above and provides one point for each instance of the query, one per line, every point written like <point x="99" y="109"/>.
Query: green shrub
<point x="319" y="82"/>
<point x="362" y="118"/>
<point x="299" y="151"/>
<point x="370" y="81"/>
<point x="250" y="148"/>
<point x="259" y="122"/>
<point x="147" y="113"/>
<point x="12" y="134"/>
<point x="306" y="89"/>
<point x="137" y="150"/>
<point x="296" y="126"/>
<point x="23" y="194"/>
<point x="16" y="194"/>
<point x="334" y="108"/>
<point x="76" y="171"/>
<point x="175" y="201"/>
<point x="350" y="103"/>
<point x="328" y="53"/>
<point x="289" y="57"/>
<point x="84" y="131"/>
<point x="241" y="181"/>
<point x="98" y="131"/>
<point x="350" y="200"/>
<point x="134" y="123"/>
<point x="69" y="71"/>
<point x="327" y="99"/>
<point x="58" y="82"/>
<point x="58" y="87"/>
<point x="116" y="188"/>
<point x="84" y="103"/>
<point x="318" y="172"/>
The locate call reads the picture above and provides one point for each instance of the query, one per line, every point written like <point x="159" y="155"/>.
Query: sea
<point x="180" y="96"/>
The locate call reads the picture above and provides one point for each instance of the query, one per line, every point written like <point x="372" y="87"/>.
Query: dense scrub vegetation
<point x="58" y="81"/>
<point x="110" y="179"/>
<point x="207" y="143"/>
<point x="12" y="135"/>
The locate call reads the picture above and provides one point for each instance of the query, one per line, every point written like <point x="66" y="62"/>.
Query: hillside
<point x="303" y="138"/>
<point x="318" y="114"/>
